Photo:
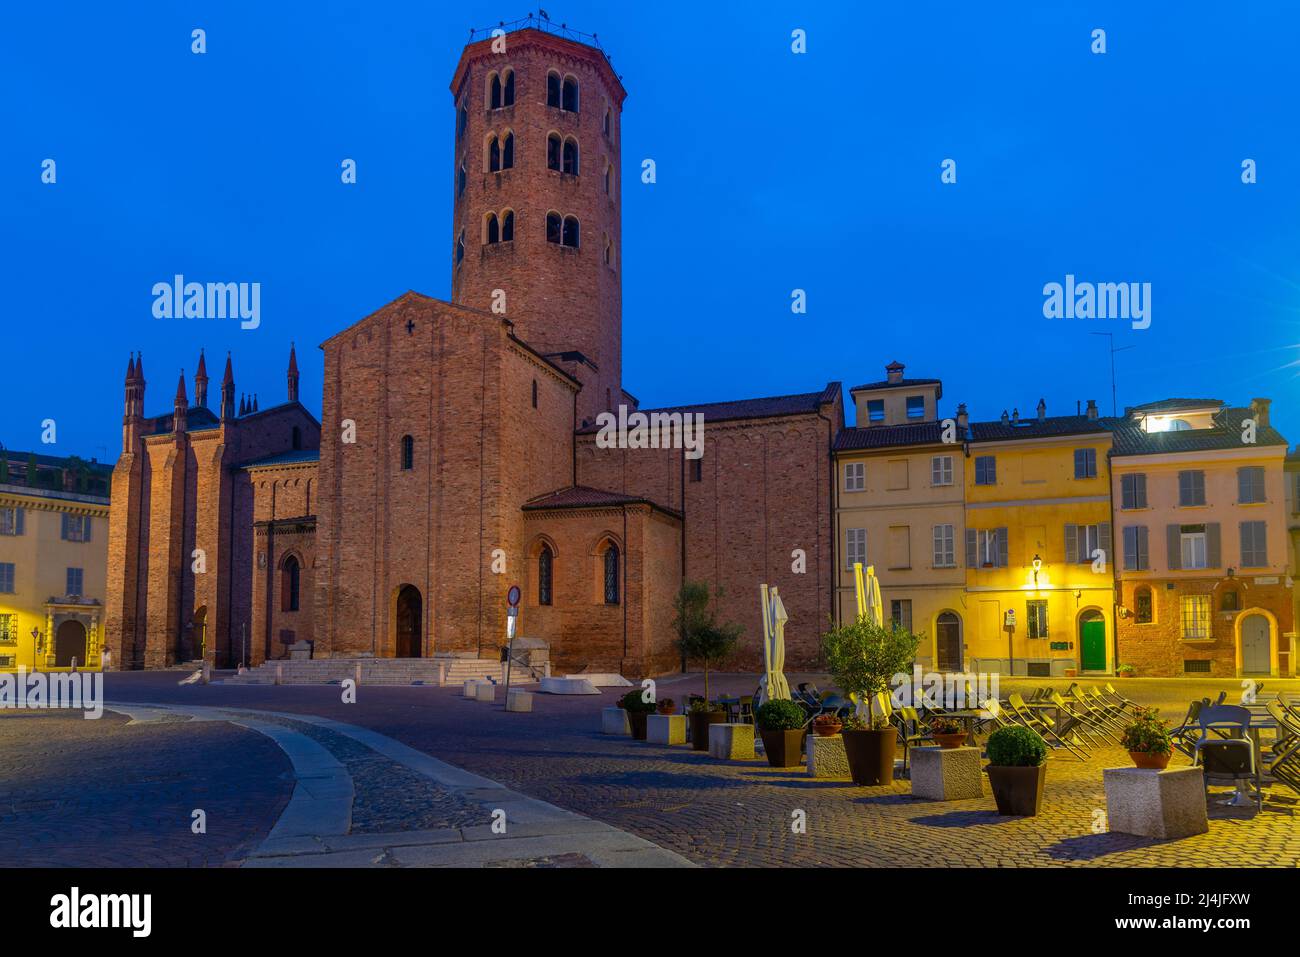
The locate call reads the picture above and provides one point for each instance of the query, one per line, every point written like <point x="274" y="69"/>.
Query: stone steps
<point x="374" y="671"/>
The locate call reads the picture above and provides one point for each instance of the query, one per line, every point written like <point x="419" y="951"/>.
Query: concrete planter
<point x="784" y="749"/>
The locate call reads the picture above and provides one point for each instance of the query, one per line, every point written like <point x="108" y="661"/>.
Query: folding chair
<point x="1086" y="723"/>
<point x="998" y="714"/>
<point x="1185" y="736"/>
<point x="1284" y="758"/>
<point x="1231" y="757"/>
<point x="1114" y="697"/>
<point x="1016" y="704"/>
<point x="1105" y="713"/>
<point x="1288" y="727"/>
<point x="912" y="738"/>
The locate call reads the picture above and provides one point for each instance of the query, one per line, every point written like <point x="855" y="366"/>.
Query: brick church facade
<point x="458" y="448"/>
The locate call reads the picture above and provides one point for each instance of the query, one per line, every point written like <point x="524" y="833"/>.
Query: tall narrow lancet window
<point x="408" y="453"/>
<point x="553" y="96"/>
<point x="570" y="162"/>
<point x="491" y="229"/>
<point x="570" y="231"/>
<point x="494" y="155"/>
<point x="553" y="151"/>
<point x="508" y="97"/>
<point x="571" y="95"/>
<point x="290" y="580"/>
<point x="553" y="228"/>
<point x="508" y="226"/>
<point x="611" y="575"/>
<point x="494" y="94"/>
<point x="508" y="152"/>
<point x="545" y="562"/>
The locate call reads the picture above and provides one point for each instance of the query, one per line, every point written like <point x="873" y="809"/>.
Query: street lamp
<point x="1038" y="566"/>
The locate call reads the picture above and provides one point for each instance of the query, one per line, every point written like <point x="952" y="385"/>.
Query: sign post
<point x="512" y="616"/>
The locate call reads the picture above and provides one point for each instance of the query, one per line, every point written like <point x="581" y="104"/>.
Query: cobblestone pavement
<point x="740" y="813"/>
<point x="107" y="793"/>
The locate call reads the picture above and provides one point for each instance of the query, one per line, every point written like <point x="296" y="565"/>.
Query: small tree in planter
<point x="1017" y="769"/>
<point x="700" y="638"/>
<point x="780" y="724"/>
<point x="1146" y="739"/>
<point x="638" y="709"/>
<point x="862" y="657"/>
<point x="1125" y="671"/>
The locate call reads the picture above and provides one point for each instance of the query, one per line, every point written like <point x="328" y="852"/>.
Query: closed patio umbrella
<point x="773" y="686"/>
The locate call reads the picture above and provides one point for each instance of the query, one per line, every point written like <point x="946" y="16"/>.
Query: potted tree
<point x="1125" y="671"/>
<point x="1146" y="739"/>
<point x="862" y="657"/>
<point x="1017" y="768"/>
<point x="700" y="637"/>
<point x="638" y="709"/>
<point x="947" y="732"/>
<point x="780" y="724"/>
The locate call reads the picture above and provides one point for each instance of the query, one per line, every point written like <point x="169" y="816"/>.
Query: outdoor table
<point x="968" y="717"/>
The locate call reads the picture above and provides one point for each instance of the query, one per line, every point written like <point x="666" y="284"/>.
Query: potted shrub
<point x="947" y="732"/>
<point x="862" y="657"/>
<point x="780" y="724"/>
<point x="1017" y="768"/>
<point x="666" y="706"/>
<point x="699" y="635"/>
<point x="638" y="709"/>
<point x="702" y="714"/>
<point x="1125" y="671"/>
<point x="1146" y="739"/>
<point x="827" y="725"/>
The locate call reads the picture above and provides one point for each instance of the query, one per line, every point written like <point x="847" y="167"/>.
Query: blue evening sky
<point x="775" y="172"/>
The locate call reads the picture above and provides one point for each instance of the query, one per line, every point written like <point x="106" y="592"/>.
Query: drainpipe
<point x="833" y="500"/>
<point x="682" y="470"/>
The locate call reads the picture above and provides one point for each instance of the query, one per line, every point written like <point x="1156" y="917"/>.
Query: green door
<point x="1092" y="639"/>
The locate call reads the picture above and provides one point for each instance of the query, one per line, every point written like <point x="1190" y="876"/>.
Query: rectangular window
<point x="1196" y="616"/>
<point x="1230" y="602"/>
<point x="1085" y="463"/>
<point x="697" y="470"/>
<point x="8" y="629"/>
<point x="900" y="613"/>
<point x="855" y="546"/>
<point x="1192" y="546"/>
<point x="875" y="410"/>
<point x="945" y="548"/>
<point x="75" y="581"/>
<point x="1254" y="547"/>
<point x="1142" y="612"/>
<point x="986" y="470"/>
<point x="11" y="521"/>
<point x="1136" y="555"/>
<point x="855" y="476"/>
<point x="1088" y="542"/>
<point x="76" y="528"/>
<point x="916" y="407"/>
<point x="941" y="470"/>
<point x="1133" y="490"/>
<point x="1036" y="619"/>
<point x="1191" y="487"/>
<point x="6" y="578"/>
<point x="990" y="547"/>
<point x="1250" y="485"/>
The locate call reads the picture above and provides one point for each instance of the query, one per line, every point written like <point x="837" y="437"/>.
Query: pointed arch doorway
<point x="408" y="622"/>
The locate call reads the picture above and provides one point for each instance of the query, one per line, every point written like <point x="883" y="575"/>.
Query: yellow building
<point x="899" y="494"/>
<point x="53" y="561"/>
<point x="1037" y="552"/>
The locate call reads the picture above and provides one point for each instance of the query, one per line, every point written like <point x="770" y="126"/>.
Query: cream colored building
<point x="53" y="561"/>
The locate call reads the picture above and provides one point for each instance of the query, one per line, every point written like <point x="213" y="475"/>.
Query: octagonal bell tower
<point x="537" y="202"/>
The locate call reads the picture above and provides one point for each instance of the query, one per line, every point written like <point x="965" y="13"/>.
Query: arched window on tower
<point x="545" y="573"/>
<point x="608" y="174"/>
<point x="462" y="177"/>
<point x="408" y="453"/>
<point x="570" y="163"/>
<point x="460" y="247"/>
<point x="491" y="229"/>
<point x="508" y="151"/>
<point x="290" y="584"/>
<point x="611" y="574"/>
<point x="607" y="122"/>
<point x="570" y="231"/>
<point x="462" y="121"/>
<point x="553" y="150"/>
<point x="493" y="154"/>
<point x="494" y="92"/>
<point x="554" y="228"/>
<point x="534" y="393"/>
<point x="570" y="94"/>
<point x="609" y="252"/>
<point x="553" y="91"/>
<point x="508" y="226"/>
<point x="508" y="95"/>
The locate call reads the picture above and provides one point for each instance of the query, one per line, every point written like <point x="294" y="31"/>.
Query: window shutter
<point x="1003" y="547"/>
<point x="63" y="525"/>
<point x="970" y="548"/>
<point x="1071" y="543"/>
<point x="18" y="520"/>
<point x="1142" y="548"/>
<point x="1243" y="485"/>
<point x="1174" y="544"/>
<point x="1212" y="545"/>
<point x="1140" y="489"/>
<point x="85" y="528"/>
<point x="1103" y="541"/>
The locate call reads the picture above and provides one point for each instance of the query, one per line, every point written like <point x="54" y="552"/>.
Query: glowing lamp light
<point x="1038" y="566"/>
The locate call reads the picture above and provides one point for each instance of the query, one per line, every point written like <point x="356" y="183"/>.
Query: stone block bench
<point x="826" y="757"/>
<point x="665" y="728"/>
<point x="517" y="699"/>
<point x="614" y="721"/>
<point x="732" y="742"/>
<point x="486" y="691"/>
<point x="471" y="687"/>
<point x="1166" y="804"/>
<point x="568" y="686"/>
<point x="946" y="774"/>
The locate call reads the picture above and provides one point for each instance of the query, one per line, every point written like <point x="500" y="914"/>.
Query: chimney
<point x="1092" y="410"/>
<point x="894" y="372"/>
<point x="1005" y="417"/>
<point x="963" y="419"/>
<point x="1259" y="411"/>
<point x="1042" y="411"/>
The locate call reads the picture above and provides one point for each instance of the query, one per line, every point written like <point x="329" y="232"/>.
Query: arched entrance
<point x="947" y="633"/>
<point x="1256" y="646"/>
<point x="69" y="643"/>
<point x="1092" y="640"/>
<point x="408" y="622"/>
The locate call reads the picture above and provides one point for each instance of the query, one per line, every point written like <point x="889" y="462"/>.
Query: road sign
<point x="512" y="596"/>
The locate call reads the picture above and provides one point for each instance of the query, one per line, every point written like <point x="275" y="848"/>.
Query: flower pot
<point x="1148" y="759"/>
<point x="666" y="707"/>
<point x="637" y="719"/>
<point x="827" y="729"/>
<point x="1071" y="672"/>
<point x="871" y="756"/>
<point x="954" y="740"/>
<point x="700" y="721"/>
<point x="784" y="749"/>
<point x="1018" y="791"/>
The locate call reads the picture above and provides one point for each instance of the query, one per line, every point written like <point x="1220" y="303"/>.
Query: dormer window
<point x="875" y="410"/>
<point x="916" y="407"/>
